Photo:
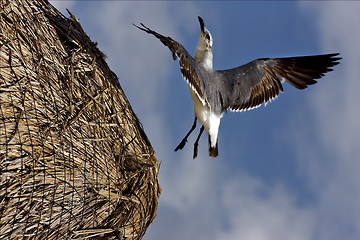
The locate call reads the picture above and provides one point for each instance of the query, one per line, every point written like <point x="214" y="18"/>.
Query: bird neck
<point x="204" y="57"/>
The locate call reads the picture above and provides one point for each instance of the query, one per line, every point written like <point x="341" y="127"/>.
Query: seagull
<point x="238" y="89"/>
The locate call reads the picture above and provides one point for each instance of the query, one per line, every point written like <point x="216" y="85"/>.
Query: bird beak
<point x="202" y="25"/>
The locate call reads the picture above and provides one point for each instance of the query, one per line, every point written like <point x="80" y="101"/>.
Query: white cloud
<point x="142" y="63"/>
<point x="202" y="202"/>
<point x="332" y="163"/>
<point x="338" y="32"/>
<point x="189" y="207"/>
<point x="259" y="212"/>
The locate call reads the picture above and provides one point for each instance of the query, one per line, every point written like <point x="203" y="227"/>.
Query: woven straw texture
<point x="75" y="162"/>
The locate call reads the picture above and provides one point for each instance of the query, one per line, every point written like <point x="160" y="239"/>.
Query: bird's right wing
<point x="188" y="65"/>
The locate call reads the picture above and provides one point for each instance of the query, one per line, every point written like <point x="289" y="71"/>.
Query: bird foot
<point x="195" y="150"/>
<point x="181" y="145"/>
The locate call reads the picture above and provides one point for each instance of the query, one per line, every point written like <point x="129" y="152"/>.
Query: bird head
<point x="206" y="39"/>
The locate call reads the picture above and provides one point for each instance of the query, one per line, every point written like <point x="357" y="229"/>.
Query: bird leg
<point x="183" y="142"/>
<point x="196" y="144"/>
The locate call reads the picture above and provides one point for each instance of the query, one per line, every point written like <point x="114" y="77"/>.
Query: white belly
<point x="206" y="117"/>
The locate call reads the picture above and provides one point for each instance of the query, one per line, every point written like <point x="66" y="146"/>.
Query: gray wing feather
<point x="259" y="81"/>
<point x="188" y="66"/>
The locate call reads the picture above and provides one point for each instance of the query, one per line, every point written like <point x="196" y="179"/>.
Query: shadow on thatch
<point x="75" y="162"/>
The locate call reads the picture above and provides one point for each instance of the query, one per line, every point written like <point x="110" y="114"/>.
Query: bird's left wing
<point x="259" y="81"/>
<point x="188" y="66"/>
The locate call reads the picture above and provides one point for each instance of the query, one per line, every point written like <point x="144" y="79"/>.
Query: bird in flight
<point x="242" y="88"/>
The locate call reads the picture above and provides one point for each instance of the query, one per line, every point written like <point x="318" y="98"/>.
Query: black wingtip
<point x="143" y="28"/>
<point x="335" y="58"/>
<point x="137" y="26"/>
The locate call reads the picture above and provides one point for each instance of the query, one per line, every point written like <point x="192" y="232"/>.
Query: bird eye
<point x="207" y="37"/>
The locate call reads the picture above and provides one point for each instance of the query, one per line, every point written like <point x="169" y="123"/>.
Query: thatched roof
<point x="75" y="162"/>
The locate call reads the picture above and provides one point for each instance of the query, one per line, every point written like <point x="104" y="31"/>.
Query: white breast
<point x="206" y="117"/>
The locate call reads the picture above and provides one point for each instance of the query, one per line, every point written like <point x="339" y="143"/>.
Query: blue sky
<point x="289" y="170"/>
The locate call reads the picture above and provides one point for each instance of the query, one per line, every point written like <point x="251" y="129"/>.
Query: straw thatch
<point x="75" y="162"/>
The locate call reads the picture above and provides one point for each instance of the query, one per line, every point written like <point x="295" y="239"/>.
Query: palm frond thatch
<point x="75" y="162"/>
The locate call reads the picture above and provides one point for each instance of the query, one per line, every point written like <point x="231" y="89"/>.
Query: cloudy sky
<point x="290" y="170"/>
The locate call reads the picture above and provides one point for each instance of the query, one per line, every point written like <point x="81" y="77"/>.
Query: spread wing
<point x="188" y="66"/>
<point x="260" y="81"/>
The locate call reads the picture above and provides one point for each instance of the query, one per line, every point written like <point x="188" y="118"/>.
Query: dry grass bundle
<point x="75" y="162"/>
